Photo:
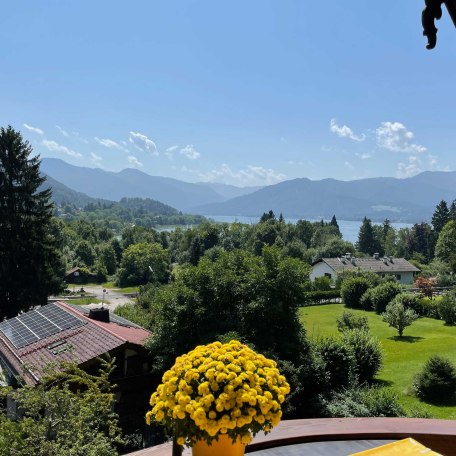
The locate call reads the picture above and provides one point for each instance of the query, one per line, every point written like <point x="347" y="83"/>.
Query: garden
<point x="404" y="357"/>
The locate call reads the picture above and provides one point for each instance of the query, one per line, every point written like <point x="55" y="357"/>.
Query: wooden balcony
<point x="439" y="435"/>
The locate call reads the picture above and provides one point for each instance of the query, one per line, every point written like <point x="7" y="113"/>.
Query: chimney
<point x="376" y="256"/>
<point x="348" y="256"/>
<point x="99" y="314"/>
<point x="353" y="262"/>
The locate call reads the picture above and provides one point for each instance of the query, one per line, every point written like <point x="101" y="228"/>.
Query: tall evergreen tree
<point x="441" y="216"/>
<point x="334" y="223"/>
<point x="367" y="242"/>
<point x="29" y="260"/>
<point x="452" y="214"/>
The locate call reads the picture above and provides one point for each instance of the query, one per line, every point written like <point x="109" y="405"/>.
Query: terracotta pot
<point x="223" y="447"/>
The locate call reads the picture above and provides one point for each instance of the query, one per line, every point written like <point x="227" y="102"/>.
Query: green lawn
<point x="86" y="301"/>
<point x="403" y="358"/>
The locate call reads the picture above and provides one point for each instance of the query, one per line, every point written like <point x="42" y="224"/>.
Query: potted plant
<point x="218" y="396"/>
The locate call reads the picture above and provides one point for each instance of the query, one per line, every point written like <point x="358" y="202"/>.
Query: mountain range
<point x="409" y="200"/>
<point x="113" y="186"/>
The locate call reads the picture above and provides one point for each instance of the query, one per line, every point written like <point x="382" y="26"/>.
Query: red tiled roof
<point x="85" y="343"/>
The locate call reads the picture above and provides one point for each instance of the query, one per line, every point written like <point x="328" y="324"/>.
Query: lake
<point x="348" y="228"/>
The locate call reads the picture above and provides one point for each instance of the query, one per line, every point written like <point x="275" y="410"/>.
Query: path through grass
<point x="403" y="358"/>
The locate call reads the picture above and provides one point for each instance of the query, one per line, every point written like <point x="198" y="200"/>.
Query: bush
<point x="383" y="294"/>
<point x="321" y="284"/>
<point x="348" y="320"/>
<point x="339" y="361"/>
<point x="364" y="402"/>
<point x="313" y="298"/>
<point x="367" y="351"/>
<point x="371" y="277"/>
<point x="399" y="317"/>
<point x="428" y="307"/>
<point x="352" y="290"/>
<point x="408" y="300"/>
<point x="437" y="381"/>
<point x="367" y="302"/>
<point x="447" y="309"/>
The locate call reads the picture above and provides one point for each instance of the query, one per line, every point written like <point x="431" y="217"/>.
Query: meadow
<point x="404" y="357"/>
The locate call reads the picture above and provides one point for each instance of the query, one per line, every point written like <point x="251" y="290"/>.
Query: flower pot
<point x="224" y="446"/>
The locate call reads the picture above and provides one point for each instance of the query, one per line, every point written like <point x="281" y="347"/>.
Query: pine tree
<point x="441" y="216"/>
<point x="334" y="223"/>
<point x="28" y="257"/>
<point x="367" y="243"/>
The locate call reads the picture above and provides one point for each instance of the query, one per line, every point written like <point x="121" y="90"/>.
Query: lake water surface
<point x="348" y="228"/>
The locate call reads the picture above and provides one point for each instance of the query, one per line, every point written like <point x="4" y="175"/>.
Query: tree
<point x="69" y="413"/>
<point x="446" y="243"/>
<point x="441" y="216"/>
<point x="30" y="265"/>
<point x="367" y="242"/>
<point x="334" y="223"/>
<point x="143" y="263"/>
<point x="397" y="316"/>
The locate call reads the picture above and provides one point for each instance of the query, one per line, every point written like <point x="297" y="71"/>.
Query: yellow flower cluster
<point x="220" y="389"/>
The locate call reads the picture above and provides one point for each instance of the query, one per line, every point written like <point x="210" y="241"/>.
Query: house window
<point x="398" y="277"/>
<point x="327" y="274"/>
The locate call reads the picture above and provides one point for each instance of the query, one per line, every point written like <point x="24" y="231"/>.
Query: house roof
<point x="79" y="343"/>
<point x="381" y="265"/>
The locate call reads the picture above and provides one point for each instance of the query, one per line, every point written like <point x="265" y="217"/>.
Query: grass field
<point x="403" y="358"/>
<point x="86" y="301"/>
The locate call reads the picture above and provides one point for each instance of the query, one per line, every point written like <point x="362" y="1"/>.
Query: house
<point x="63" y="332"/>
<point x="400" y="268"/>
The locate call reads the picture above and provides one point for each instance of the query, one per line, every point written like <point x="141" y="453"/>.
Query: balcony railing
<point x="439" y="435"/>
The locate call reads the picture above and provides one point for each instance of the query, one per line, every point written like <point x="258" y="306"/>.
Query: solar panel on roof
<point x="38" y="324"/>
<point x="60" y="317"/>
<point x="18" y="333"/>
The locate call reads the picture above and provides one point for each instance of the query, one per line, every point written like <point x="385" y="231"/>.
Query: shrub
<point x="367" y="351"/>
<point x="371" y="277"/>
<point x="383" y="294"/>
<point x="366" y="300"/>
<point x="313" y="298"/>
<point x="348" y="320"/>
<point x="447" y="309"/>
<point x="437" y="381"/>
<point x="321" y="284"/>
<point x="364" y="402"/>
<point x="397" y="316"/>
<point x="352" y="290"/>
<point x="408" y="300"/>
<point x="339" y="361"/>
<point x="429" y="307"/>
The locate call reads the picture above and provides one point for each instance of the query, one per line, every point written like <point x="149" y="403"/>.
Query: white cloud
<point x="410" y="169"/>
<point x="364" y="156"/>
<point x="64" y="133"/>
<point x="134" y="162"/>
<point x="142" y="143"/>
<point x="394" y="136"/>
<point x="55" y="147"/>
<point x="34" y="129"/>
<point x="348" y="165"/>
<point x="345" y="132"/>
<point x="170" y="151"/>
<point x="190" y="152"/>
<point x="95" y="158"/>
<point x="109" y="143"/>
<point x="252" y="175"/>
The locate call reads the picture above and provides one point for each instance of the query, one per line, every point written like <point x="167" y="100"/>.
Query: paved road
<point x="112" y="295"/>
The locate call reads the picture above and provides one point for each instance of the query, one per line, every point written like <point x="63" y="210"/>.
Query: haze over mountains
<point x="412" y="199"/>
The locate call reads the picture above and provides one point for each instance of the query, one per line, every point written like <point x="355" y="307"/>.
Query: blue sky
<point x="241" y="92"/>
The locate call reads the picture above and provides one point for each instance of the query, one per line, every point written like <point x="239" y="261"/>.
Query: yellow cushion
<point x="406" y="447"/>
